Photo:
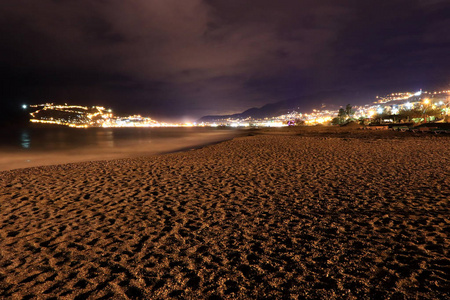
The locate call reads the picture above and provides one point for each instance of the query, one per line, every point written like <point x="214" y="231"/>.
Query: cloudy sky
<point x="187" y="58"/>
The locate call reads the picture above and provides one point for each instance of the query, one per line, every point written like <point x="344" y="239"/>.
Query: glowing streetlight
<point x="24" y="106"/>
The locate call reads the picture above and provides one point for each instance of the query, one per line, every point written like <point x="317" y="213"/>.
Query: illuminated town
<point x="83" y="117"/>
<point x="418" y="107"/>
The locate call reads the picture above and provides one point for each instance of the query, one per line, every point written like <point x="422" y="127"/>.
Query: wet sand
<point x="293" y="213"/>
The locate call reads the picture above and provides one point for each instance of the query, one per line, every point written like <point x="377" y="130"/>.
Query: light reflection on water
<point x="25" y="139"/>
<point x="105" y="138"/>
<point x="36" y="146"/>
<point x="54" y="139"/>
<point x="64" y="138"/>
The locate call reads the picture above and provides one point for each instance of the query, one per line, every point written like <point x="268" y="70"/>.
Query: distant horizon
<point x="306" y="110"/>
<point x="310" y="106"/>
<point x="271" y="115"/>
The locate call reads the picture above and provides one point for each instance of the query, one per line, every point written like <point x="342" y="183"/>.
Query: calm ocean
<point x="41" y="145"/>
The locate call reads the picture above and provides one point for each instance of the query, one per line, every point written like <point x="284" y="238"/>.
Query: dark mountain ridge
<point x="331" y="100"/>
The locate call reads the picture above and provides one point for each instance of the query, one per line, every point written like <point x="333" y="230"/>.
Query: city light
<point x="379" y="110"/>
<point x="394" y="110"/>
<point x="97" y="116"/>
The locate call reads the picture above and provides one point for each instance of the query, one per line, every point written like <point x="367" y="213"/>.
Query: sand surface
<point x="282" y="214"/>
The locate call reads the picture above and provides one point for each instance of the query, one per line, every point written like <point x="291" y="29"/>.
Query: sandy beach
<point x="278" y="214"/>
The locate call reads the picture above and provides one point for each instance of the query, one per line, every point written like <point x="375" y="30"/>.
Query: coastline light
<point x="394" y="110"/>
<point x="379" y="110"/>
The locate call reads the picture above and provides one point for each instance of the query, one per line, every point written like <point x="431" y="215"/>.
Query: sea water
<point x="38" y="145"/>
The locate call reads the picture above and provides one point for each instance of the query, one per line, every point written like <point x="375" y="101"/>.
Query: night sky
<point x="187" y="58"/>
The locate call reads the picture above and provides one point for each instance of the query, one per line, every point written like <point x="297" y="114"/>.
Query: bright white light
<point x="380" y="110"/>
<point x="394" y="110"/>
<point x="408" y="105"/>
<point x="24" y="106"/>
<point x="275" y="124"/>
<point x="418" y="93"/>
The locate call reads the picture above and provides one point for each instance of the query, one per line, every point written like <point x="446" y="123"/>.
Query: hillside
<point x="299" y="104"/>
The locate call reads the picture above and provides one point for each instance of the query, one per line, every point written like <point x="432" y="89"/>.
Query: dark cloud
<point x="189" y="58"/>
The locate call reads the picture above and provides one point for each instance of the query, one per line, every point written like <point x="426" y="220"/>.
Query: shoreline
<point x="16" y="160"/>
<point x="313" y="131"/>
<point x="271" y="214"/>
